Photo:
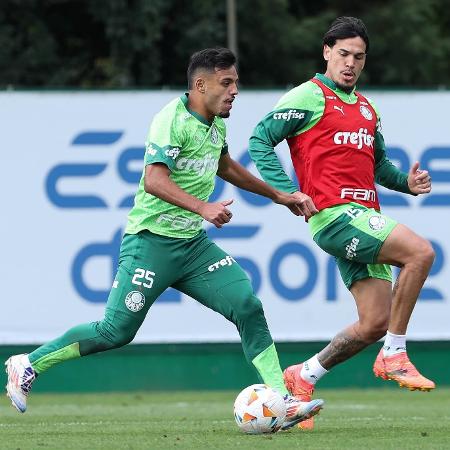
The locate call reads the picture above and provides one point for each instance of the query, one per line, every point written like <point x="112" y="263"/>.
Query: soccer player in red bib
<point x="338" y="152"/>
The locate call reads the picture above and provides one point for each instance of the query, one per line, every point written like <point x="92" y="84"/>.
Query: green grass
<point x="352" y="419"/>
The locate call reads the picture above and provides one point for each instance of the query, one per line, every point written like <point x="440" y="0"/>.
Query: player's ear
<point x="200" y="85"/>
<point x="326" y="52"/>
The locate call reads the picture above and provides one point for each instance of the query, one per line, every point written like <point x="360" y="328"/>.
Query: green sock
<point x="268" y="367"/>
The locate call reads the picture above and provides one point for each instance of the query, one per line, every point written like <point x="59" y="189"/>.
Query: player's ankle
<point x="394" y="344"/>
<point x="312" y="371"/>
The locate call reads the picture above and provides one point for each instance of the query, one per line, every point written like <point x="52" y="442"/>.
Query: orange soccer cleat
<point x="400" y="369"/>
<point x="300" y="389"/>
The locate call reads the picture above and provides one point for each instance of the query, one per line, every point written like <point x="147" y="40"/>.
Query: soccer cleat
<point x="399" y="368"/>
<point x="298" y="411"/>
<point x="20" y="379"/>
<point x="301" y="389"/>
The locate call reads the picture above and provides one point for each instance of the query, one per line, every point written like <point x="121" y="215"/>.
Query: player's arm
<point x="414" y="182"/>
<point x="268" y="133"/>
<point x="157" y="182"/>
<point x="231" y="171"/>
<point x="163" y="147"/>
<point x="291" y="115"/>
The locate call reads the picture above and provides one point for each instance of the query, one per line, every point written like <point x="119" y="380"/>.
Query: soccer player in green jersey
<point x="338" y="153"/>
<point x="164" y="244"/>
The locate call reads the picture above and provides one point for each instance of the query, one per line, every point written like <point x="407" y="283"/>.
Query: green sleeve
<point x="164" y="143"/>
<point x="291" y="115"/>
<point x="386" y="173"/>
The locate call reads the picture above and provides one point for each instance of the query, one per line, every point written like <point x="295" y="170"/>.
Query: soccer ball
<point x="259" y="409"/>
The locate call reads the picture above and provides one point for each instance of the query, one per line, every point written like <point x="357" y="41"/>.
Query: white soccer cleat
<point x="298" y="411"/>
<point x="20" y="379"/>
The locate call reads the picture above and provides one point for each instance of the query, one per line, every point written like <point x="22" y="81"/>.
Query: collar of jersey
<point x="349" y="98"/>
<point x="184" y="99"/>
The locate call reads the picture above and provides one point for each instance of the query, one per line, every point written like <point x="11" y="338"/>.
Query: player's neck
<point x="196" y="105"/>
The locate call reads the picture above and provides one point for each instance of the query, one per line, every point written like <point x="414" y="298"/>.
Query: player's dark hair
<point x="346" y="27"/>
<point x="209" y="59"/>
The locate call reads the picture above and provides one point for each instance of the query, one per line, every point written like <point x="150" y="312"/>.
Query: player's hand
<point x="299" y="203"/>
<point x="217" y="213"/>
<point x="419" y="181"/>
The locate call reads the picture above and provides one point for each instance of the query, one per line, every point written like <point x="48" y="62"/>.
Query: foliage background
<point x="147" y="43"/>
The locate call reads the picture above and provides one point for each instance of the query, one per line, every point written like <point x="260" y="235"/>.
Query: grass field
<point x="352" y="419"/>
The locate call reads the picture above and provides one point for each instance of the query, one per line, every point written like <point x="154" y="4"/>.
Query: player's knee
<point x="252" y="307"/>
<point x="375" y="329"/>
<point x="115" y="335"/>
<point x="246" y="304"/>
<point x="425" y="255"/>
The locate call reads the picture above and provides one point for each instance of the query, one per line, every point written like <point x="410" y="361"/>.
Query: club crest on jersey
<point x="365" y="112"/>
<point x="135" y="301"/>
<point x="214" y="135"/>
<point x="377" y="223"/>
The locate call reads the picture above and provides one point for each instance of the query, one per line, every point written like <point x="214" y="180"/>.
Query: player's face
<point x="220" y="91"/>
<point x="345" y="61"/>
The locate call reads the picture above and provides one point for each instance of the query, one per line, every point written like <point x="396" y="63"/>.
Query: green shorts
<point x="355" y="238"/>
<point x="150" y="263"/>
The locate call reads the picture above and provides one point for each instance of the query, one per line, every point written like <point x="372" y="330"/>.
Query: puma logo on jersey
<point x="360" y="138"/>
<point x="340" y="109"/>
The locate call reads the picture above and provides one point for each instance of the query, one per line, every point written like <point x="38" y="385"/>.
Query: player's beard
<point x="345" y="88"/>
<point x="224" y="115"/>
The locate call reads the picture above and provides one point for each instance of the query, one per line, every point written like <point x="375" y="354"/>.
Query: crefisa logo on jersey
<point x="377" y="222"/>
<point x="173" y="152"/>
<point x="366" y="112"/>
<point x="135" y="301"/>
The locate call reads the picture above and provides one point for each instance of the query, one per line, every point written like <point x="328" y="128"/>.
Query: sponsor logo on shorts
<point x="227" y="261"/>
<point x="377" y="222"/>
<point x="366" y="112"/>
<point x="358" y="138"/>
<point x="287" y="116"/>
<point x="351" y="248"/>
<point x="135" y="301"/>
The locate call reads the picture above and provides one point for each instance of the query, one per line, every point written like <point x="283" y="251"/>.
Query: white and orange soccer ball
<point x="259" y="409"/>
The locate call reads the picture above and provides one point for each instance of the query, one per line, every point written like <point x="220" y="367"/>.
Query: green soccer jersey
<point x="190" y="147"/>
